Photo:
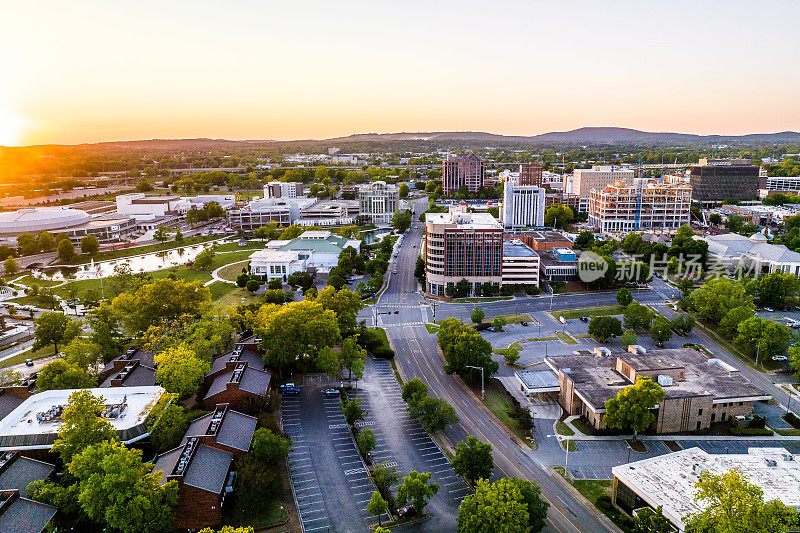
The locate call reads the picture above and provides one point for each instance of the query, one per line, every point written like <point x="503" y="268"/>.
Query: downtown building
<point x="583" y="180"/>
<point x="715" y="180"/>
<point x="378" y="201"/>
<point x="523" y="205"/>
<point x="645" y="204"/>
<point x="461" y="245"/>
<point x="457" y="171"/>
<point x="283" y="189"/>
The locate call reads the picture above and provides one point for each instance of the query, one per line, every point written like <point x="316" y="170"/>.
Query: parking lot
<point x="405" y="444"/>
<point x="329" y="481"/>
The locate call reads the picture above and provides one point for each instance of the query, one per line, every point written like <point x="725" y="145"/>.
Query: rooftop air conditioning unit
<point x="664" y="380"/>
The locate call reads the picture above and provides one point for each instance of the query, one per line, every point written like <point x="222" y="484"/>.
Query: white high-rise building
<point x="523" y="206"/>
<point x="378" y="201"/>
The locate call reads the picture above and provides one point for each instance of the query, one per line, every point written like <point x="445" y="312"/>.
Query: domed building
<point x="74" y="222"/>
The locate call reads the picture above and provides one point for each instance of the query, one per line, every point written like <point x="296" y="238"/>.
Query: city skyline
<point x="92" y="72"/>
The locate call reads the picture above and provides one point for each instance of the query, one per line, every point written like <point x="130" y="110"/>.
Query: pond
<point x="140" y="263"/>
<point x="375" y="235"/>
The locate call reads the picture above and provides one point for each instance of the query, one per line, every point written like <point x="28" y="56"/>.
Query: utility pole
<point x="481" y="369"/>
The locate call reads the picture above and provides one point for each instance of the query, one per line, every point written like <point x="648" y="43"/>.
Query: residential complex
<point x="714" y="180"/>
<point x="622" y="207"/>
<point x="458" y="171"/>
<point x="461" y="245"/>
<point x="699" y="390"/>
<point x="584" y="180"/>
<point x="668" y="481"/>
<point x="378" y="201"/>
<point x="523" y="206"/>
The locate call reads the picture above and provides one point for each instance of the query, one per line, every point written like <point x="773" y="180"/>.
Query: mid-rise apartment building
<point x="597" y="177"/>
<point x="530" y="174"/>
<point x="461" y="245"/>
<point x="523" y="206"/>
<point x="714" y="180"/>
<point x="378" y="201"/>
<point x="644" y="204"/>
<point x="283" y="189"/>
<point x="468" y="170"/>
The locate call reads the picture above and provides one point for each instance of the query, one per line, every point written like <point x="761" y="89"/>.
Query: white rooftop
<point x="22" y="428"/>
<point x="669" y="480"/>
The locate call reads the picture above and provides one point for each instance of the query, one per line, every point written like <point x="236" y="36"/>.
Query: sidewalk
<point x="579" y="436"/>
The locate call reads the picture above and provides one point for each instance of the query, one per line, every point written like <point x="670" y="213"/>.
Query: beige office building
<point x="597" y="177"/>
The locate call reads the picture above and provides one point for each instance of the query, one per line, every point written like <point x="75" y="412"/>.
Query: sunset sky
<point x="85" y="71"/>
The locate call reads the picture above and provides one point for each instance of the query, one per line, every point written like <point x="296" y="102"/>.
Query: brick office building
<point x="461" y="245"/>
<point x="530" y="174"/>
<point x="467" y="170"/>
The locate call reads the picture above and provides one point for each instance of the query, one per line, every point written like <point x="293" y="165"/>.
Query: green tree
<point x="628" y="337"/>
<point x="473" y="460"/>
<point x="404" y="190"/>
<point x="418" y="489"/>
<point x="295" y="331"/>
<point x="413" y="390"/>
<point x="54" y="328"/>
<point x="161" y="234"/>
<point x="106" y="331"/>
<point x="353" y="357"/>
<point x="637" y="317"/>
<point x="419" y="270"/>
<point x="649" y="521"/>
<point x="90" y="245"/>
<point x="401" y="221"/>
<point x="661" y="330"/>
<point x="253" y="285"/>
<point x="624" y="297"/>
<point x="66" y="251"/>
<point x="731" y="504"/>
<point x="178" y="237"/>
<point x="84" y="354"/>
<point x="328" y="361"/>
<point x="434" y="413"/>
<point x="558" y="216"/>
<point x="729" y="325"/>
<point x="180" y="371"/>
<point x="537" y="506"/>
<point x="585" y="240"/>
<point x="377" y="506"/>
<point x="27" y="244"/>
<point x="242" y="279"/>
<point x="352" y="411"/>
<point x="45" y="241"/>
<point x="117" y="489"/>
<point x="82" y="425"/>
<point x="59" y="374"/>
<point x="511" y="355"/>
<point x="268" y="448"/>
<point x="762" y="336"/>
<point x="10" y="266"/>
<point x="602" y="328"/>
<point x="300" y="279"/>
<point x="463" y="346"/>
<point x="683" y="324"/>
<point x="499" y="322"/>
<point x="345" y="303"/>
<point x="365" y="441"/>
<point x="713" y="300"/>
<point x="495" y="507"/>
<point x="631" y="410"/>
<point x="204" y="260"/>
<point x="477" y="315"/>
<point x="779" y="289"/>
<point x="167" y="423"/>
<point x="163" y="299"/>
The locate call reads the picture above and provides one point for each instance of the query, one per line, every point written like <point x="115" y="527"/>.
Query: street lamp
<point x="481" y="369"/>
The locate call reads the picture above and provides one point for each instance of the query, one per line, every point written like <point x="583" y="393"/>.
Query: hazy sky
<point x="85" y="70"/>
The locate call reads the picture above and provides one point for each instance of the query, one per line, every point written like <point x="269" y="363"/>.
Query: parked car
<point x="28" y="362"/>
<point x="768" y="309"/>
<point x="779" y="358"/>
<point x="331" y="392"/>
<point x="288" y="388"/>
<point x="523" y="323"/>
<point x="406" y="510"/>
<point x="584" y="319"/>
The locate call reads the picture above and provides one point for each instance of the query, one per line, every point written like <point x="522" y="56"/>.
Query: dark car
<point x="523" y="323"/>
<point x="584" y="319"/>
<point x="28" y="362"/>
<point x="288" y="388"/>
<point x="406" y="510"/>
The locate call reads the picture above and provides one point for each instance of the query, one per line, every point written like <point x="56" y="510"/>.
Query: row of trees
<point x="463" y="348"/>
<point x="435" y="413"/>
<point x="44" y="241"/>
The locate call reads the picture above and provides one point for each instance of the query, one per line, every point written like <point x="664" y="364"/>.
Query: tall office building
<point x="523" y="206"/>
<point x="645" y="204"/>
<point x="461" y="245"/>
<point x="530" y="174"/>
<point x="714" y="180"/>
<point x="378" y="201"/>
<point x="466" y="170"/>
<point x="597" y="177"/>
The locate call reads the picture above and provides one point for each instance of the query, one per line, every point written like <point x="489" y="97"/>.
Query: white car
<point x="779" y="358"/>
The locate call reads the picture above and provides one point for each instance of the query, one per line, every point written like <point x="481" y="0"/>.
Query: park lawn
<point x="590" y="311"/>
<point x="566" y="337"/>
<point x="232" y="271"/>
<point x="273" y="514"/>
<point x="499" y="403"/>
<point x="81" y="259"/>
<point x="225" y="295"/>
<point x="47" y="351"/>
<point x="234" y="246"/>
<point x="30" y="280"/>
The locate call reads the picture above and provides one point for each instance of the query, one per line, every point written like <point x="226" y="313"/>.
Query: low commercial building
<point x="74" y="222"/>
<point x="761" y="215"/>
<point x="313" y="250"/>
<point x="283" y="189"/>
<point x="461" y="245"/>
<point x="523" y="206"/>
<point x="34" y="424"/>
<point x="668" y="481"/>
<point x="783" y="183"/>
<point x="262" y="211"/>
<point x="189" y="203"/>
<point x="205" y="476"/>
<point x="19" y="513"/>
<point x="533" y="383"/>
<point x="541" y="240"/>
<point x="138" y="204"/>
<point x="520" y="264"/>
<point x="754" y="252"/>
<point x="699" y="391"/>
<point x="378" y="201"/>
<point x="623" y="207"/>
<point x="558" y="264"/>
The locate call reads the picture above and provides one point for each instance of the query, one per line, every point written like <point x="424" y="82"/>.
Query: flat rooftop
<point x="35" y="422"/>
<point x="512" y="249"/>
<point x="597" y="380"/>
<point x="668" y="480"/>
<point x="538" y="379"/>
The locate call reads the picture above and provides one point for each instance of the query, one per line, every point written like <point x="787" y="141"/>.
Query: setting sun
<point x="10" y="129"/>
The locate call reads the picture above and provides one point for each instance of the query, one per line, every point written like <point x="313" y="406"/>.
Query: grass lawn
<point x="30" y="280"/>
<point x="138" y="250"/>
<point x="47" y="351"/>
<point x="567" y="338"/>
<point x="565" y="444"/>
<point x="234" y="246"/>
<point x="764" y="363"/>
<point x="272" y="515"/>
<point x="518" y="344"/>
<point x="433" y="329"/>
<point x="589" y="311"/>
<point x="499" y="403"/>
<point x="24" y="300"/>
<point x="563" y="429"/>
<point x="224" y="295"/>
<point x="516" y="319"/>
<point x="581" y="426"/>
<point x="599" y="491"/>
<point x="232" y="271"/>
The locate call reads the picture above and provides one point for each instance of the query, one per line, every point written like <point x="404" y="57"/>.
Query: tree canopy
<point x="473" y="459"/>
<point x="163" y="299"/>
<point x="631" y="409"/>
<point x="179" y="370"/>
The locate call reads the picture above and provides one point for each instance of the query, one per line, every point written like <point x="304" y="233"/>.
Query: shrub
<point x="253" y="285"/>
<point x="532" y="290"/>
